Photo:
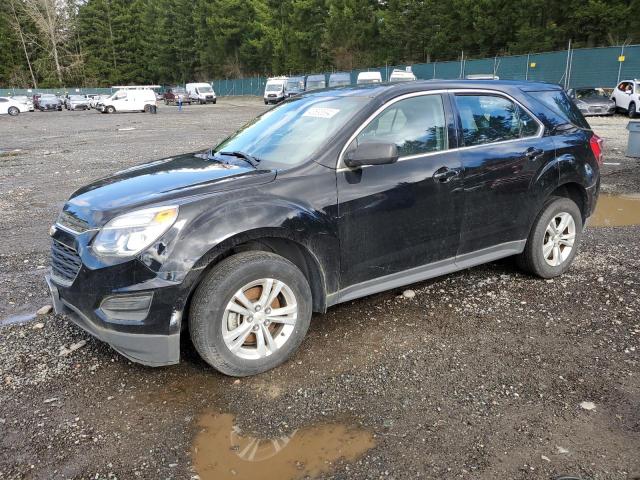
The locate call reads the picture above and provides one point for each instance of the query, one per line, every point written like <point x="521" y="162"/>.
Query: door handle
<point x="445" y="174"/>
<point x="532" y="153"/>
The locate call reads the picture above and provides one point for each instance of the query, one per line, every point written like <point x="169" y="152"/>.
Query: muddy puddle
<point x="616" y="211"/>
<point x="221" y="451"/>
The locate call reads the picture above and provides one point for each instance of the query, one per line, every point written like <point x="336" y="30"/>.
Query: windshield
<point x="314" y="84"/>
<point x="206" y="89"/>
<point x="294" y="85"/>
<point x="273" y="87"/>
<point x="76" y="97"/>
<point x="582" y="93"/>
<point x="289" y="134"/>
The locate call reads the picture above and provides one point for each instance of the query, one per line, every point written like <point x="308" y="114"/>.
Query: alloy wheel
<point x="259" y="319"/>
<point x="559" y="239"/>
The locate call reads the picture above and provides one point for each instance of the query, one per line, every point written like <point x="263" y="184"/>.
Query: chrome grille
<point x="71" y="222"/>
<point x="65" y="262"/>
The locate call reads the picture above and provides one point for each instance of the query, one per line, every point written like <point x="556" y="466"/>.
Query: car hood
<point x="596" y="101"/>
<point x="168" y="180"/>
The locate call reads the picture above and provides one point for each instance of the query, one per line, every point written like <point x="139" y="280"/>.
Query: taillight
<point x="596" y="144"/>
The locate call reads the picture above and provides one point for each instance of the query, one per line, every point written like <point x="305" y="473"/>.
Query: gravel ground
<point x="481" y="375"/>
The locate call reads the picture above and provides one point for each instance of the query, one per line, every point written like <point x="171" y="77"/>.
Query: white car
<point x="369" y="77"/>
<point x="11" y="106"/>
<point x="627" y="97"/>
<point x="26" y="101"/>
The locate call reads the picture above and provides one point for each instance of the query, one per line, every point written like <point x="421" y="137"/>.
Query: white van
<point x="398" y="75"/>
<point x="128" y="101"/>
<point x="369" y="77"/>
<point x="201" y="93"/>
<point x="274" y="90"/>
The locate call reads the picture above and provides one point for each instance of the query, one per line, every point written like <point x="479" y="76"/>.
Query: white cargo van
<point x="369" y="77"/>
<point x="201" y="93"/>
<point x="137" y="100"/>
<point x="401" y="76"/>
<point x="274" y="90"/>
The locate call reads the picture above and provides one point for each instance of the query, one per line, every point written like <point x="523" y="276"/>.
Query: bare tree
<point x="49" y="18"/>
<point x="18" y="28"/>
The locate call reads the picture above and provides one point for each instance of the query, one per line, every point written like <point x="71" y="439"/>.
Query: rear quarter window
<point x="560" y="104"/>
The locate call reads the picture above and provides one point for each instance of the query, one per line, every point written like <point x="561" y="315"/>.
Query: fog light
<point x="131" y="308"/>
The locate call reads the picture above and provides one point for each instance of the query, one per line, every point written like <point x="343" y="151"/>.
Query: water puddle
<point x="17" y="319"/>
<point x="616" y="211"/>
<point x="221" y="451"/>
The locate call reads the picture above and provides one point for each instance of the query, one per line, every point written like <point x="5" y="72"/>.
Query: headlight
<point x="129" y="234"/>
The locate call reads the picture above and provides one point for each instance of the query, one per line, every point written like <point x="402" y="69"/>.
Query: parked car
<point x="398" y="75"/>
<point x="49" y="102"/>
<point x="339" y="79"/>
<point x="95" y="99"/>
<point x="369" y="77"/>
<point x="201" y="93"/>
<point x="627" y="97"/>
<point x="592" y="101"/>
<point x="76" y="102"/>
<point x="274" y="90"/>
<point x="128" y="101"/>
<point x="315" y="82"/>
<point x="26" y="101"/>
<point x="173" y="95"/>
<point x="11" y="106"/>
<point x="331" y="196"/>
<point x="294" y="86"/>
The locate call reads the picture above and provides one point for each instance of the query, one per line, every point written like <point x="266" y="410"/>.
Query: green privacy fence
<point x="595" y="67"/>
<point x="586" y="67"/>
<point x="4" y="92"/>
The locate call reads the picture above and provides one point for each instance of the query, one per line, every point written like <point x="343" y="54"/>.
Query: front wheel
<point x="554" y="239"/>
<point x="250" y="313"/>
<point x="13" y="111"/>
<point x="110" y="109"/>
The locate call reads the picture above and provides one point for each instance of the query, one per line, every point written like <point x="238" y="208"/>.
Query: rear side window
<point x="559" y="103"/>
<point x="416" y="125"/>
<point x="489" y="119"/>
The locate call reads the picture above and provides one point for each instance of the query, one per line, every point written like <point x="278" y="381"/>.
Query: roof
<point x="383" y="89"/>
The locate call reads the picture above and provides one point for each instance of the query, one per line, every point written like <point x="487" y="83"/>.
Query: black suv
<point x="331" y="196"/>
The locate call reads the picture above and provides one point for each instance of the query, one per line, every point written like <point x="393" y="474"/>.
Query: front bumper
<point x="148" y="349"/>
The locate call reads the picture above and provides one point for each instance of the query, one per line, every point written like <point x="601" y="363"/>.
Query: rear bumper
<point x="152" y="349"/>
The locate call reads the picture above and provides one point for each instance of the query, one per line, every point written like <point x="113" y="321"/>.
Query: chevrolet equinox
<point x="332" y="196"/>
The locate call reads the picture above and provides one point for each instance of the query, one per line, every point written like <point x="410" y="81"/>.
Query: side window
<point x="488" y="119"/>
<point x="416" y="125"/>
<point x="3" y="100"/>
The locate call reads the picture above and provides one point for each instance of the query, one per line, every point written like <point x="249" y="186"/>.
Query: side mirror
<point x="371" y="153"/>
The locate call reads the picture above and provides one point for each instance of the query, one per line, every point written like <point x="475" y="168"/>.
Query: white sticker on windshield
<point x="321" y="112"/>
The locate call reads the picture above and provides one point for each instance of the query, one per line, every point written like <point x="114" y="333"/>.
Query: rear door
<point x="406" y="214"/>
<point x="502" y="152"/>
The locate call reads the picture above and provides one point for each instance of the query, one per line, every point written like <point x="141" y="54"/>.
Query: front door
<point x="503" y="152"/>
<point x="406" y="214"/>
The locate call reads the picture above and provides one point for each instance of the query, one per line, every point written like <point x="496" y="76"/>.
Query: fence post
<point x="526" y="75"/>
<point x="620" y="63"/>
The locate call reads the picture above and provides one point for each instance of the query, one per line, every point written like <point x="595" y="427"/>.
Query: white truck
<point x="274" y="90"/>
<point x="369" y="77"/>
<point x="128" y="100"/>
<point x="202" y="93"/>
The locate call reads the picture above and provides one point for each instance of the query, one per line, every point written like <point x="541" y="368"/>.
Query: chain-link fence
<point x="585" y="67"/>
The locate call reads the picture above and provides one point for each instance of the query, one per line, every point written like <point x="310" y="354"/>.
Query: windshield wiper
<point x="250" y="159"/>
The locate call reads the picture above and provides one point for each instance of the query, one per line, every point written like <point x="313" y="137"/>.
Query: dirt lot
<point x="481" y="375"/>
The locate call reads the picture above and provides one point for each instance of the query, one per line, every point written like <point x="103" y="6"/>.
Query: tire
<point x="110" y="109"/>
<point x="631" y="112"/>
<point x="13" y="111"/>
<point x="533" y="259"/>
<point x="266" y="103"/>
<point x="209" y="316"/>
<point x="214" y="102"/>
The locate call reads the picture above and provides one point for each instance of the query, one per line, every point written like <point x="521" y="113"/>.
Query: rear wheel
<point x="632" y="110"/>
<point x="554" y="239"/>
<point x="250" y="313"/>
<point x="13" y="111"/>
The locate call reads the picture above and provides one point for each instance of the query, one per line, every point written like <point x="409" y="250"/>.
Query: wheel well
<point x="575" y="192"/>
<point x="293" y="251"/>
